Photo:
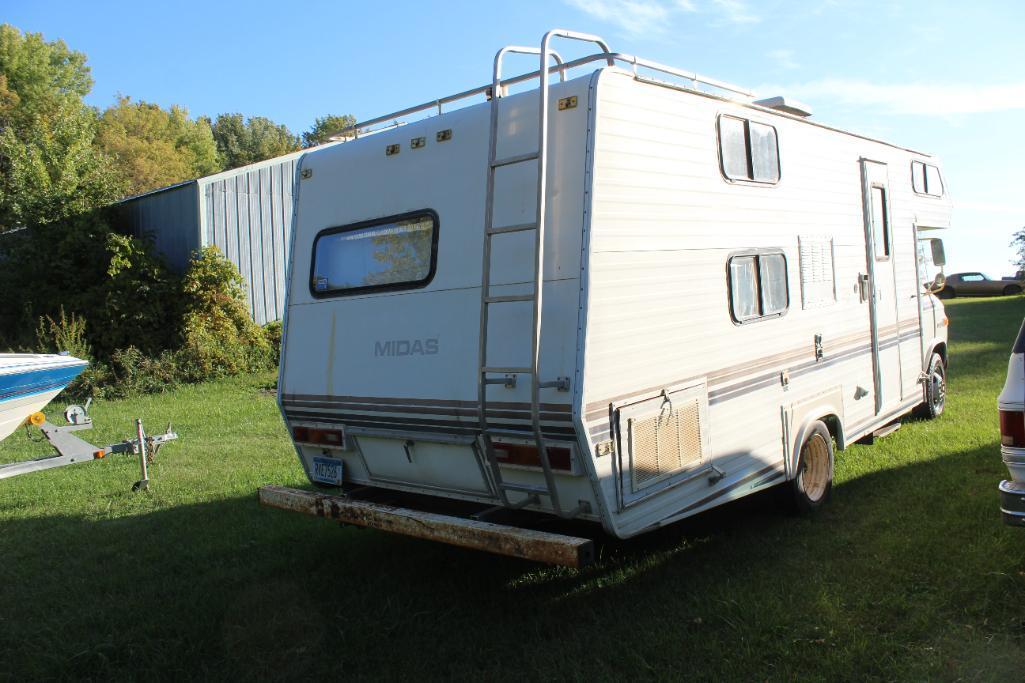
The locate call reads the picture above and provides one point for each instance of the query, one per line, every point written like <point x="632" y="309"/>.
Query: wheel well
<point x="832" y="423"/>
<point x="941" y="349"/>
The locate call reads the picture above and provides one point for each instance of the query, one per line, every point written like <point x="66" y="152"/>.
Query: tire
<point x="813" y="482"/>
<point x="935" y="389"/>
<point x="1011" y="290"/>
<point x="947" y="293"/>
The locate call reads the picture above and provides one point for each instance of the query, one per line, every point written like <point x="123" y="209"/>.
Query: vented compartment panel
<point x="663" y="437"/>
<point x="665" y="443"/>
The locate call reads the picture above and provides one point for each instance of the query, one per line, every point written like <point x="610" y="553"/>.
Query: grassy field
<point x="907" y="574"/>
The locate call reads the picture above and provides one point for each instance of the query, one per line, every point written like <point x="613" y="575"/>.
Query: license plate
<point x="327" y="470"/>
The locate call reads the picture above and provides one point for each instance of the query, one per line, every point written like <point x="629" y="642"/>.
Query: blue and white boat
<point x="28" y="381"/>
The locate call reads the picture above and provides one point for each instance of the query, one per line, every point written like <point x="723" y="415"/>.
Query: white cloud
<point x="736" y="11"/>
<point x="784" y="59"/>
<point x="634" y="17"/>
<point x="655" y="17"/>
<point x="941" y="99"/>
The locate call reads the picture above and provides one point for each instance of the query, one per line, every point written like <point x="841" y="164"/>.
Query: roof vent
<point x="789" y="106"/>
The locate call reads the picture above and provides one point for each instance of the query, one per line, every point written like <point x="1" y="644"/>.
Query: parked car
<point x="1011" y="405"/>
<point x="978" y="284"/>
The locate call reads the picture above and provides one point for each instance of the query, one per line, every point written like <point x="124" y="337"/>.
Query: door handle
<point x="863" y="287"/>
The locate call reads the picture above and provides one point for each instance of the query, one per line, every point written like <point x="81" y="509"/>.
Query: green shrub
<point x="133" y="372"/>
<point x="272" y="331"/>
<point x="137" y="303"/>
<point x="82" y="266"/>
<point x="219" y="337"/>
<point x="65" y="333"/>
<point x="106" y="298"/>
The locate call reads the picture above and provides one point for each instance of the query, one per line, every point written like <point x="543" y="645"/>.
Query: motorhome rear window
<point x="925" y="179"/>
<point x="758" y="286"/>
<point x="748" y="150"/>
<point x="398" y="252"/>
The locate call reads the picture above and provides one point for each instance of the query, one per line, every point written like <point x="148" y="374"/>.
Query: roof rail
<point x="611" y="59"/>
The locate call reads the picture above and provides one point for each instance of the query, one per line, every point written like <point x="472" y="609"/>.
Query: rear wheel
<point x="935" y="388"/>
<point x="1012" y="289"/>
<point x="813" y="481"/>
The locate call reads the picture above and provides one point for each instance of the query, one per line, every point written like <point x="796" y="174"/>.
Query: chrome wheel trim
<point x="938" y="386"/>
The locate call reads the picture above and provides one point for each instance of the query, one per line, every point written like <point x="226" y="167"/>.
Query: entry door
<point x="882" y="285"/>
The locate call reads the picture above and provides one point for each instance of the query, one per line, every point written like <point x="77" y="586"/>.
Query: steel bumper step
<point x="539" y="546"/>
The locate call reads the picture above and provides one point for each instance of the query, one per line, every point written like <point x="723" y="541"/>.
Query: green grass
<point x="907" y="574"/>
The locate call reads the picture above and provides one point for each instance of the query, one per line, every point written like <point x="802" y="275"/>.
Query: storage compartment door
<point x="663" y="442"/>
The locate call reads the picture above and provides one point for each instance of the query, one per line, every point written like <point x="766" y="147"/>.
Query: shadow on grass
<point x="908" y="573"/>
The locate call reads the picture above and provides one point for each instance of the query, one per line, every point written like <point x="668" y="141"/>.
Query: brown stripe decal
<point x="835" y="351"/>
<point x="414" y="424"/>
<point x="383" y="401"/>
<point x="322" y="406"/>
<point x="599" y="422"/>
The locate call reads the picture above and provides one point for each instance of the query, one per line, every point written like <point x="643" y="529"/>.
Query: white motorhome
<point x="627" y="297"/>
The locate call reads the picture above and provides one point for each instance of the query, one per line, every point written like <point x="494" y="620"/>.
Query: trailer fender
<point x="937" y="346"/>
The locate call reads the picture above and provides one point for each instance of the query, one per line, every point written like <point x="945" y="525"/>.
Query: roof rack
<point x="612" y="59"/>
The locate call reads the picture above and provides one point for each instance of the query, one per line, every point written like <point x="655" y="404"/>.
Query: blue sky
<point x="945" y="77"/>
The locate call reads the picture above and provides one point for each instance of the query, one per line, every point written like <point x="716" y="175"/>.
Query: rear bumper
<point x="1012" y="503"/>
<point x="539" y="546"/>
<point x="1014" y="459"/>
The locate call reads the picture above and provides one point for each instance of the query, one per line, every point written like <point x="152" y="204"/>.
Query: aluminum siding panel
<point x="247" y="215"/>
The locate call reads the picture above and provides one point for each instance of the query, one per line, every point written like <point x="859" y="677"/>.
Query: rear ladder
<point x="488" y="374"/>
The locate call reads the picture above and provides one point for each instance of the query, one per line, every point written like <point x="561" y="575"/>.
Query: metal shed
<point x="246" y="212"/>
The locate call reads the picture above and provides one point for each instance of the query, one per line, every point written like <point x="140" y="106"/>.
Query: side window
<point x="918" y="177"/>
<point x="925" y="179"/>
<point x="748" y="150"/>
<point x="973" y="277"/>
<point x="399" y="252"/>
<point x="933" y="182"/>
<point x="880" y="224"/>
<point x="758" y="286"/>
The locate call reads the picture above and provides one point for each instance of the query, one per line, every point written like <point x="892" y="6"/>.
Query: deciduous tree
<point x="326" y="126"/>
<point x="1018" y="244"/>
<point x="156" y="146"/>
<point x="49" y="168"/>
<point x="241" y="142"/>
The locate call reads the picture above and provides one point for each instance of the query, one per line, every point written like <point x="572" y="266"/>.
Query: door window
<point x="880" y="224"/>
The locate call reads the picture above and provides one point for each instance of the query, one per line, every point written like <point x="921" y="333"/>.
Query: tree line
<point x="60" y="157"/>
<point x="71" y="278"/>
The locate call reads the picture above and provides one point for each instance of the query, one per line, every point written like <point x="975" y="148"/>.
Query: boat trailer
<point x="71" y="449"/>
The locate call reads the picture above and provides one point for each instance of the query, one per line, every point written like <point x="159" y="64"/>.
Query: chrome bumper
<point x="1012" y="502"/>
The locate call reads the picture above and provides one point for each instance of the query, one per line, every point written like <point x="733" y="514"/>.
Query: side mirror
<point x="939" y="283"/>
<point x="938" y="257"/>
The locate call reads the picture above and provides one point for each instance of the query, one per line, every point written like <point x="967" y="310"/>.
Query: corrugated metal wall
<point x="248" y="215"/>
<point x="171" y="216"/>
<point x="245" y="212"/>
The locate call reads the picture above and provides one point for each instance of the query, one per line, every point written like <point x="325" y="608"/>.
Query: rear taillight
<point x="318" y="437"/>
<point x="523" y="454"/>
<point x="1012" y="428"/>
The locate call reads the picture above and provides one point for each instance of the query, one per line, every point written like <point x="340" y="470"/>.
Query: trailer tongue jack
<point x="71" y="449"/>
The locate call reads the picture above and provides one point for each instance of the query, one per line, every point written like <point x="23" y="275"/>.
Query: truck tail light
<point x="319" y="437"/>
<point x="1012" y="428"/>
<point x="523" y="454"/>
